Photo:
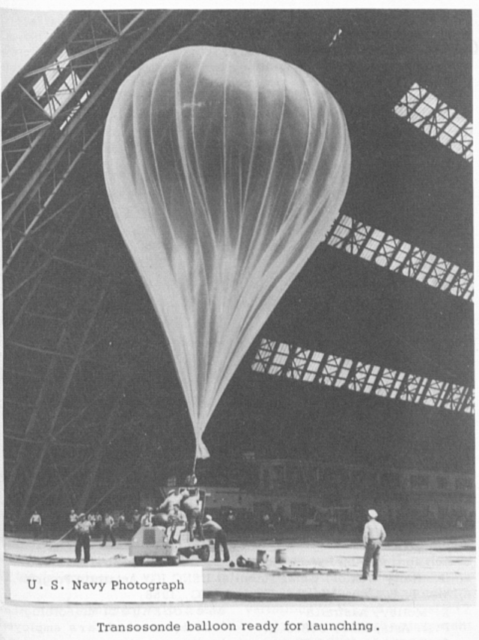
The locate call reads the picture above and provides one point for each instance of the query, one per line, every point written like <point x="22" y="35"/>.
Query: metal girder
<point x="50" y="175"/>
<point x="28" y="217"/>
<point x="33" y="198"/>
<point x="108" y="70"/>
<point x="53" y="75"/>
<point x="60" y="354"/>
<point x="65" y="385"/>
<point x="98" y="454"/>
<point x="28" y="275"/>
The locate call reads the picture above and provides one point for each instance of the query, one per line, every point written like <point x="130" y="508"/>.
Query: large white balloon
<point x="225" y="170"/>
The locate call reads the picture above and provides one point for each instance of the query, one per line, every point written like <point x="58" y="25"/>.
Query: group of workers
<point x="181" y="509"/>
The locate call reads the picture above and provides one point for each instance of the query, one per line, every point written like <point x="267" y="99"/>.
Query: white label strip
<point x="125" y="584"/>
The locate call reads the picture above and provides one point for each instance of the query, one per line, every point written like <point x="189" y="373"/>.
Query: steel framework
<point x="64" y="397"/>
<point x="52" y="124"/>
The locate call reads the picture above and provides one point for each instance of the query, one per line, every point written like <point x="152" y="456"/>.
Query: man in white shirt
<point x="192" y="507"/>
<point x="175" y="497"/>
<point x="36" y="524"/>
<point x="373" y="537"/>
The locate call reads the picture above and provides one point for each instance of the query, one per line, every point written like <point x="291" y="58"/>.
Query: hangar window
<point x="337" y="371"/>
<point x="363" y="377"/>
<point x="434" y="392"/>
<point x="298" y="363"/>
<point x="312" y="367"/>
<point x="389" y="383"/>
<point x="56" y="84"/>
<point x="263" y="356"/>
<point x="330" y="370"/>
<point x="455" y="396"/>
<point x="343" y="372"/>
<point x="468" y="406"/>
<point x="432" y="116"/>
<point x="279" y="359"/>
<point x="50" y="74"/>
<point x="401" y="257"/>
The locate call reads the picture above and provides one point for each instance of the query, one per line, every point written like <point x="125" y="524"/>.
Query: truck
<point x="156" y="542"/>
<point x="152" y="542"/>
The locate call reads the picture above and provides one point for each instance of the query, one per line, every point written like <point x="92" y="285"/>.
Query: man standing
<point x="83" y="530"/>
<point x="213" y="529"/>
<point x="36" y="523"/>
<point x="108" y="524"/>
<point x="174" y="497"/>
<point x="373" y="537"/>
<point x="72" y="519"/>
<point x="192" y="507"/>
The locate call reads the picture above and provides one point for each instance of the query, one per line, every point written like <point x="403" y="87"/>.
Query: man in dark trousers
<point x="36" y="524"/>
<point x="214" y="530"/>
<point x="373" y="538"/>
<point x="83" y="530"/>
<point x="107" y="528"/>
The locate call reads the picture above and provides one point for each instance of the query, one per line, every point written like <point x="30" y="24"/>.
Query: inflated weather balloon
<point x="225" y="169"/>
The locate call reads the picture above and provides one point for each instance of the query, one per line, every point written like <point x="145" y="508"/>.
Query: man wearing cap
<point x="83" y="530"/>
<point x="373" y="537"/>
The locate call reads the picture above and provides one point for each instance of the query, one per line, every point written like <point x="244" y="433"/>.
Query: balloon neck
<point x="201" y="452"/>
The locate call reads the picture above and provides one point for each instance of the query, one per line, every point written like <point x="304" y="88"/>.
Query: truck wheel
<point x="204" y="553"/>
<point x="138" y="560"/>
<point x="174" y="560"/>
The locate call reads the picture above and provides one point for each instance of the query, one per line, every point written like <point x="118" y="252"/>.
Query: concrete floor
<point x="436" y="572"/>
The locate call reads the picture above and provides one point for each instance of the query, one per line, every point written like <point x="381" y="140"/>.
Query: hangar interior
<point x="367" y="362"/>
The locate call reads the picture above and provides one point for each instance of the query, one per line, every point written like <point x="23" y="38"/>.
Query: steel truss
<point x="59" y="425"/>
<point x="378" y="247"/>
<point x="59" y="108"/>
<point x="306" y="365"/>
<point x="54" y="370"/>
